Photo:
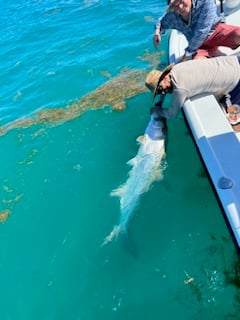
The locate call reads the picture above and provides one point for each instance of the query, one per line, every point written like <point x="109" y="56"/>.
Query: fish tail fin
<point x="125" y="240"/>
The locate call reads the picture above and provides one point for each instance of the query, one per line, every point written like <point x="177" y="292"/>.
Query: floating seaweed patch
<point x="114" y="93"/>
<point x="106" y="74"/>
<point x="149" y="19"/>
<point x="4" y="215"/>
<point x="8" y="201"/>
<point x="152" y="58"/>
<point x="196" y="288"/>
<point x="232" y="275"/>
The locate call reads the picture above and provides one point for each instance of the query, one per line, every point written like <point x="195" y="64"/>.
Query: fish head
<point x="157" y="128"/>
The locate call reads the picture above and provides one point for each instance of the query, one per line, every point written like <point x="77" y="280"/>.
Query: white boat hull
<point x="218" y="144"/>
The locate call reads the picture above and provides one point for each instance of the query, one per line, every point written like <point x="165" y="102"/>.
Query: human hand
<point x="156" y="40"/>
<point x="156" y="108"/>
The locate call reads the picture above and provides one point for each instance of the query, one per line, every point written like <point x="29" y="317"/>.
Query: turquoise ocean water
<point x="58" y="169"/>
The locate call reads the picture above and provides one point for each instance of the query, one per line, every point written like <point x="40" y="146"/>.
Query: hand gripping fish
<point x="147" y="167"/>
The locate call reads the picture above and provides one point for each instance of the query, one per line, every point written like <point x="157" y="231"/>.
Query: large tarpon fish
<point x="147" y="167"/>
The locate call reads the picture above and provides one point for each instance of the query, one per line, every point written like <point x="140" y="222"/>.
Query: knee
<point x="237" y="38"/>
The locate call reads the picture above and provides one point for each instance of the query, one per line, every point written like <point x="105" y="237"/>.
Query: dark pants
<point x="235" y="93"/>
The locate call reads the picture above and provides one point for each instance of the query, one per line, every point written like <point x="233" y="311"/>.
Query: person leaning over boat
<point x="218" y="76"/>
<point x="199" y="21"/>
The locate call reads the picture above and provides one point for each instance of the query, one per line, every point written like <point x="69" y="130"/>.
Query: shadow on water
<point x="232" y="275"/>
